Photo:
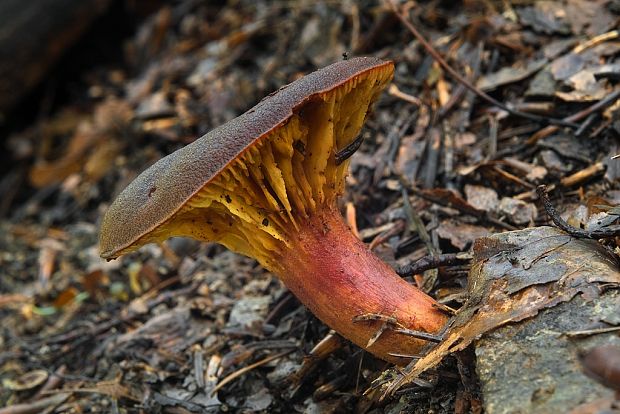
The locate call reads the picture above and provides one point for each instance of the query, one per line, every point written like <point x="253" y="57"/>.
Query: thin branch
<point x="249" y="368"/>
<point x="425" y="336"/>
<point x="603" y="103"/>
<point x="432" y="262"/>
<point x="36" y="406"/>
<point x="604" y="233"/>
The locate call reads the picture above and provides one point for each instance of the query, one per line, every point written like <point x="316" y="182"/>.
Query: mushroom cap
<point x="159" y="192"/>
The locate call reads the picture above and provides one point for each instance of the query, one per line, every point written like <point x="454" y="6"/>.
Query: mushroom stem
<point x="355" y="293"/>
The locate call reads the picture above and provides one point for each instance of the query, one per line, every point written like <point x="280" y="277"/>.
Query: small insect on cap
<point x="248" y="183"/>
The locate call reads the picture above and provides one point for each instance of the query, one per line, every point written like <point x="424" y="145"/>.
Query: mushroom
<point x="265" y="185"/>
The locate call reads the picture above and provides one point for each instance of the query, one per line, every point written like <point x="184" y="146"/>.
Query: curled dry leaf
<point x="482" y="198"/>
<point x="460" y="234"/>
<point x="509" y="75"/>
<point x="27" y="381"/>
<point x="514" y="276"/>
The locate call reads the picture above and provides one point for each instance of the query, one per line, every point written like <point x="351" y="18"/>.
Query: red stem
<point x="338" y="279"/>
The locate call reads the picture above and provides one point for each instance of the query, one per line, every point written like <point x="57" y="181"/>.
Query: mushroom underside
<point x="256" y="203"/>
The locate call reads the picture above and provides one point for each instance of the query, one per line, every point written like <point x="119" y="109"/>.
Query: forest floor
<point x="441" y="165"/>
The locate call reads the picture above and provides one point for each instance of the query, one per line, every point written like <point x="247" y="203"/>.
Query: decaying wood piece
<point x="515" y="277"/>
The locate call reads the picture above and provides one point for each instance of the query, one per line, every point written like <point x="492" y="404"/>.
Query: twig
<point x="583" y="175"/>
<point x="550" y="129"/>
<point x="431" y="164"/>
<point x="597" y="40"/>
<point x="511" y="177"/>
<point x="278" y="310"/>
<point x="416" y="357"/>
<point x="326" y="346"/>
<point x="604" y="233"/>
<point x="36" y="406"/>
<point x="397" y="131"/>
<point x="249" y="368"/>
<point x="415" y="223"/>
<point x="394" y="91"/>
<point x="482" y="215"/>
<point x="431" y="50"/>
<point x="432" y="262"/>
<point x="460" y="91"/>
<point x="586" y="124"/>
<point x="590" y="332"/>
<point x="493" y="129"/>
<point x="420" y="335"/>
<point x="53" y="382"/>
<point x="396" y="227"/>
<point x="391" y="323"/>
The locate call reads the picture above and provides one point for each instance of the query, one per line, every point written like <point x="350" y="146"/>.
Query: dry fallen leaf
<point x="460" y="234"/>
<point x="482" y="198"/>
<point x="27" y="381"/>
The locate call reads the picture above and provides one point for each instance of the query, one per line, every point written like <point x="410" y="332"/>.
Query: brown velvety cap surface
<point x="160" y="191"/>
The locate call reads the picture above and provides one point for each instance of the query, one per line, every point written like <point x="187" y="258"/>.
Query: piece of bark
<point x="534" y="367"/>
<point x="516" y="276"/>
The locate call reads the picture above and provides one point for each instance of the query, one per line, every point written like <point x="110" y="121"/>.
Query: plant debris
<point x="489" y="101"/>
